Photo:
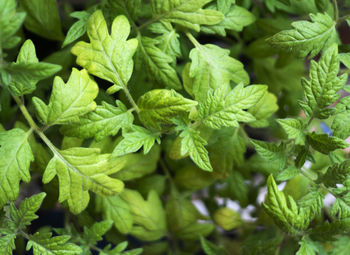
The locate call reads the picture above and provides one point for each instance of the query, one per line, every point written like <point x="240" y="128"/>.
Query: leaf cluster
<point x="154" y="127"/>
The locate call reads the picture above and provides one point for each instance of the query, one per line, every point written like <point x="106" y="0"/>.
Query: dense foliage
<point x="174" y="127"/>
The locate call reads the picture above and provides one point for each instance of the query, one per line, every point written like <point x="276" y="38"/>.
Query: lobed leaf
<point x="158" y="64"/>
<point x="148" y="215"/>
<point x="68" y="102"/>
<point x="321" y="89"/>
<point x="43" y="18"/>
<point x="193" y="144"/>
<point x="306" y="37"/>
<point x="78" y="29"/>
<point x="25" y="214"/>
<point x="159" y="106"/>
<point x="134" y="140"/>
<point x="108" y="56"/>
<point x="10" y="23"/>
<point x="294" y="129"/>
<point x="187" y="13"/>
<point x="27" y="71"/>
<point x="15" y="158"/>
<point x="80" y="170"/>
<point x="222" y="109"/>
<point x="116" y="209"/>
<point x="307" y="247"/>
<point x="105" y="120"/>
<point x="213" y="68"/>
<point x="45" y="244"/>
<point x="284" y="211"/>
<point x="235" y="18"/>
<point x="168" y="40"/>
<point x="324" y="143"/>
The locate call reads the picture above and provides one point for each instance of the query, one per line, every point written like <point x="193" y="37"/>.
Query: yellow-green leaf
<point x="68" y="102"/>
<point x="108" y="56"/>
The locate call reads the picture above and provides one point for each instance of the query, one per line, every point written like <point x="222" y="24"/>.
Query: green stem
<point x="165" y="169"/>
<point x="95" y="248"/>
<point x="131" y="99"/>
<point x="33" y="125"/>
<point x="25" y="235"/>
<point x="336" y="10"/>
<point x="341" y="19"/>
<point x="26" y="114"/>
<point x="309" y="122"/>
<point x="147" y="23"/>
<point x="193" y="40"/>
<point x="343" y="71"/>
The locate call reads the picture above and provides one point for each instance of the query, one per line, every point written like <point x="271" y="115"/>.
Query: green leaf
<point x="45" y="244"/>
<point x="324" y="83"/>
<point x="324" y="143"/>
<point x="284" y="211"/>
<point x="134" y="140"/>
<point x="211" y="68"/>
<point x="336" y="174"/>
<point x="106" y="120"/>
<point x="286" y="2"/>
<point x="193" y="144"/>
<point x="68" y="101"/>
<point x="7" y="242"/>
<point x="148" y="215"/>
<point x="224" y="5"/>
<point x="222" y="109"/>
<point x="341" y="207"/>
<point x="116" y="209"/>
<point x="236" y="18"/>
<point x="341" y="125"/>
<point x="25" y="214"/>
<point x="95" y="233"/>
<point x="130" y="8"/>
<point x="159" y="106"/>
<point x="227" y="218"/>
<point x="43" y="18"/>
<point x="341" y="246"/>
<point x="271" y="152"/>
<point x="121" y="247"/>
<point x="183" y="219"/>
<point x="278" y="77"/>
<point x="187" y="13"/>
<point x="307" y="247"/>
<point x="263" y="109"/>
<point x="211" y="249"/>
<point x="158" y="63"/>
<point x="168" y="42"/>
<point x="16" y="220"/>
<point x="15" y="158"/>
<point x="307" y="37"/>
<point x="138" y="164"/>
<point x="236" y="189"/>
<point x="10" y="23"/>
<point x="294" y="128"/>
<point x="288" y="173"/>
<point x="27" y="71"/>
<point x="227" y="152"/>
<point x="312" y="201"/>
<point x="80" y="170"/>
<point x="322" y="5"/>
<point x="191" y="177"/>
<point x="78" y="29"/>
<point x="263" y="242"/>
<point x="345" y="59"/>
<point x="108" y="57"/>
